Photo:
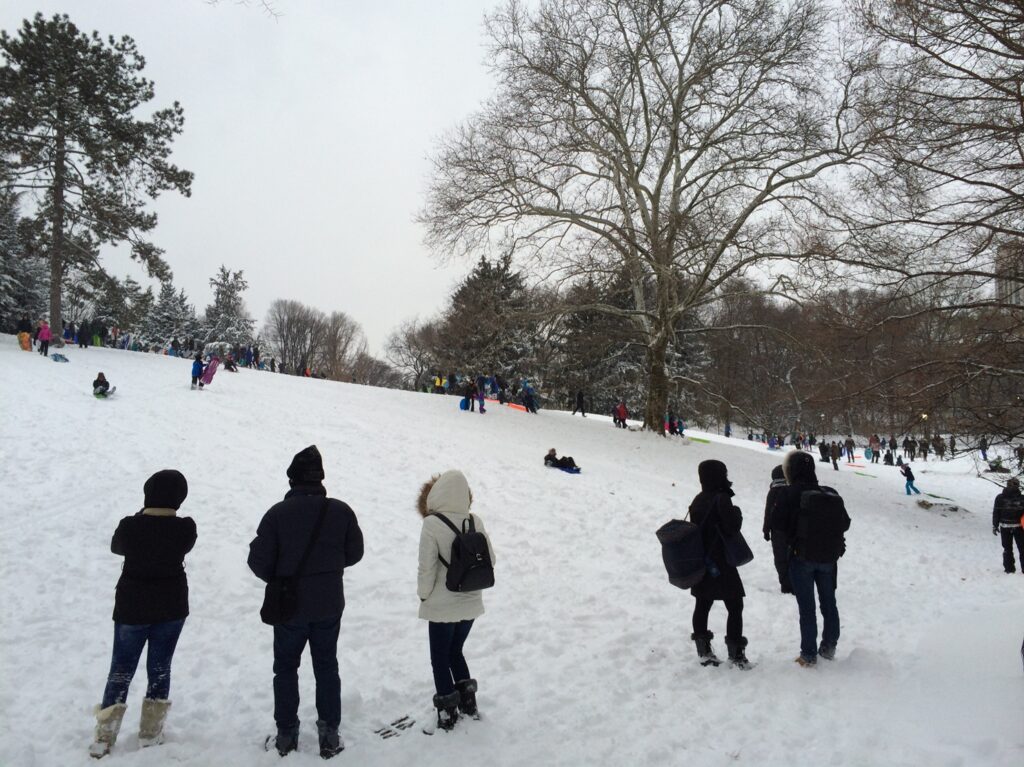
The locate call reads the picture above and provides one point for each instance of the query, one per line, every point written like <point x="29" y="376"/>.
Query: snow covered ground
<point x="583" y="656"/>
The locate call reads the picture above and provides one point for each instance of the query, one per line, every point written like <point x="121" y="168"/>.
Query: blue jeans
<point x="128" y="643"/>
<point x="910" y="486"/>
<point x="446" y="659"/>
<point x="804" y="577"/>
<point x="289" y="642"/>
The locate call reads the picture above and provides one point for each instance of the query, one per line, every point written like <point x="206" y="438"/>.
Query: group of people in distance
<point x="306" y="540"/>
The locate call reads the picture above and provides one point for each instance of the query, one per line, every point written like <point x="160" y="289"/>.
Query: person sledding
<point x="565" y="463"/>
<point x="101" y="386"/>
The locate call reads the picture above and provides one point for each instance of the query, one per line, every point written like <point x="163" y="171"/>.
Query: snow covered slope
<point x="583" y="657"/>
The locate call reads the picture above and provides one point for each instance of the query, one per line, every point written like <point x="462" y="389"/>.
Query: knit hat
<point x="713" y="476"/>
<point x="307" y="467"/>
<point x="1013" y="482"/>
<point x="778" y="473"/>
<point x="166" y="489"/>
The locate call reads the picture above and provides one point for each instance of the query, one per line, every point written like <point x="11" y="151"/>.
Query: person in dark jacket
<point x="774" y="528"/>
<point x="101" y="386"/>
<point x="579" y="404"/>
<point x="712" y="509"/>
<point x="565" y="462"/>
<point x="834" y="452"/>
<point x="281" y="540"/>
<point x="908" y="473"/>
<point x="824" y="451"/>
<point x="1007" y="513"/>
<point x="816" y="543"/>
<point x="150" y="607"/>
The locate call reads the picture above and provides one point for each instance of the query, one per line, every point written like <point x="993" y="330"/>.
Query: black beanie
<point x="778" y="473"/>
<point x="166" y="489"/>
<point x="713" y="476"/>
<point x="307" y="467"/>
<point x="799" y="467"/>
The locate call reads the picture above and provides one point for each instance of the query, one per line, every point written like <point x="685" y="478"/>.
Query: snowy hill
<point x="583" y="656"/>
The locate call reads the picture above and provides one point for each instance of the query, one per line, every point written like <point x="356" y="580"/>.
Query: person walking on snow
<point x="620" y="414"/>
<point x="775" y="526"/>
<point x="444" y="503"/>
<point x="310" y="538"/>
<point x="907" y="472"/>
<point x="983" y="447"/>
<point x="44" y="336"/>
<point x="713" y="511"/>
<point x="579" y="404"/>
<point x="817" y="523"/>
<point x="1007" y="516"/>
<point x="834" y="452"/>
<point x="150" y="607"/>
<point x="197" y="371"/>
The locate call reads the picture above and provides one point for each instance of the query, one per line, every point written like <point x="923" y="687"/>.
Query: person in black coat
<point x="552" y="460"/>
<point x="277" y="550"/>
<point x="816" y="542"/>
<point x="150" y="607"/>
<point x="774" y="528"/>
<point x="1007" y="512"/>
<point x="714" y="512"/>
<point x="579" y="404"/>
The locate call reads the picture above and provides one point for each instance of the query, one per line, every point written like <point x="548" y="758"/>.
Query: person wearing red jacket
<point x="620" y="414"/>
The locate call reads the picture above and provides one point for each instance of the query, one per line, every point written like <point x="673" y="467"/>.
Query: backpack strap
<point x="453" y="528"/>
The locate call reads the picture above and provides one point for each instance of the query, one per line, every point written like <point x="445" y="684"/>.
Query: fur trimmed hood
<point x="446" y="493"/>
<point x="798" y="466"/>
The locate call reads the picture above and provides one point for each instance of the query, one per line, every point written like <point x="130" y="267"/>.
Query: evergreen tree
<point x="69" y="105"/>
<point x="227" y="320"/>
<point x="24" y="277"/>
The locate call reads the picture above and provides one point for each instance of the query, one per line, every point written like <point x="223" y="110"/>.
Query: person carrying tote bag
<point x="720" y="521"/>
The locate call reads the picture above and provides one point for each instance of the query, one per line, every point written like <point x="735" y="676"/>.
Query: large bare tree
<point x="683" y="141"/>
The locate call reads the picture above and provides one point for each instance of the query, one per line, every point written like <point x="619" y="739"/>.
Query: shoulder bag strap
<point x="312" y="538"/>
<point x="454" y="529"/>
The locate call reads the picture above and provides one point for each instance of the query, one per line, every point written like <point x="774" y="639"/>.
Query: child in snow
<point x="197" y="371"/>
<point x="565" y="462"/>
<point x="43" y="335"/>
<point x="101" y="386"/>
<point x="444" y="504"/>
<point x="150" y="607"/>
<point x="907" y="472"/>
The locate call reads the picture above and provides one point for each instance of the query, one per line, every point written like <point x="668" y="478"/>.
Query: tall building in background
<point x="1010" y="272"/>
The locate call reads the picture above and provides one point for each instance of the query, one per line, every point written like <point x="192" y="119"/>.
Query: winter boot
<point x="704" y="652"/>
<point x="737" y="654"/>
<point x="447" y="710"/>
<point x="828" y="652"/>
<point x="108" y="724"/>
<point x="806" y="662"/>
<point x="151" y="724"/>
<point x="467" y="698"/>
<point x="330" y="741"/>
<point x="286" y="740"/>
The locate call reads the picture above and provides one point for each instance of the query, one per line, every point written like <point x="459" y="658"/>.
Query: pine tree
<point x="69" y="105"/>
<point x="227" y="320"/>
<point x="24" y="277"/>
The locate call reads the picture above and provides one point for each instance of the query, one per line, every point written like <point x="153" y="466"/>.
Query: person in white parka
<point x="450" y="613"/>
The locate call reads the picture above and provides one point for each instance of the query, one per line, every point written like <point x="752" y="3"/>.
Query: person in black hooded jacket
<point x="281" y="539"/>
<point x="816" y="543"/>
<point x="715" y="513"/>
<point x="150" y="607"/>
<point x="774" y="528"/>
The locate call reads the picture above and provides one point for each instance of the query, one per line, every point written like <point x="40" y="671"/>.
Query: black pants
<point x="780" y="552"/>
<point x="289" y="642"/>
<point x="1009" y="535"/>
<point x="835" y="464"/>
<point x="447" y="660"/>
<point x="733" y="624"/>
<point x="579" y="406"/>
<point x="44" y="348"/>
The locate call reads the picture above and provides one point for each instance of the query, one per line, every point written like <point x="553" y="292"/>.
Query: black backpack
<point x="682" y="551"/>
<point x="470" y="567"/>
<point x="821" y="526"/>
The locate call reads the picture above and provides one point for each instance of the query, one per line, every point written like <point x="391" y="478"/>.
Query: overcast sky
<point x="308" y="137"/>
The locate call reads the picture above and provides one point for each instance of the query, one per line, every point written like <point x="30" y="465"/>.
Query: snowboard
<point x="104" y="395"/>
<point x="211" y="369"/>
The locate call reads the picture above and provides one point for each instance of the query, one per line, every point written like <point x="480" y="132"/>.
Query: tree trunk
<point x="657" y="385"/>
<point x="57" y="238"/>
